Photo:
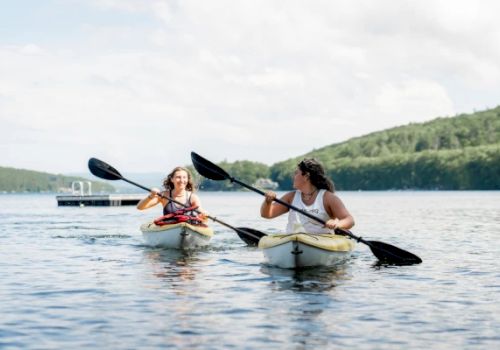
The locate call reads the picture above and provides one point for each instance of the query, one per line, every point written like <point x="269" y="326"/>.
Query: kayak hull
<point x="177" y="236"/>
<point x="299" y="250"/>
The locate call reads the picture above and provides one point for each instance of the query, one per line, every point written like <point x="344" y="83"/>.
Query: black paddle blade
<point x="103" y="170"/>
<point x="208" y="169"/>
<point x="389" y="254"/>
<point x="249" y="235"/>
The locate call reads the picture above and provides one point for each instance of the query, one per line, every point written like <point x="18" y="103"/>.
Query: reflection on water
<point x="171" y="265"/>
<point x="304" y="299"/>
<point x="306" y="280"/>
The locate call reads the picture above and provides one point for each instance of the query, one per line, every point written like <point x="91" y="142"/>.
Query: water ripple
<point x="83" y="278"/>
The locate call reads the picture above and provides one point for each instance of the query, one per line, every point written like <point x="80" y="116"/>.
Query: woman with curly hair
<point x="315" y="194"/>
<point x="178" y="186"/>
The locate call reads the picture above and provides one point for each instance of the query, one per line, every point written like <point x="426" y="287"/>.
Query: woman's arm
<point x="150" y="201"/>
<point x="196" y="202"/>
<point x="270" y="209"/>
<point x="340" y="216"/>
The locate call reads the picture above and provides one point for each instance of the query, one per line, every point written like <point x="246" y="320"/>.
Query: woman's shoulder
<point x="193" y="196"/>
<point x="289" y="196"/>
<point x="329" y="195"/>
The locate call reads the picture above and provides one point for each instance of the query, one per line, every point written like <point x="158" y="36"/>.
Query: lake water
<point x="79" y="278"/>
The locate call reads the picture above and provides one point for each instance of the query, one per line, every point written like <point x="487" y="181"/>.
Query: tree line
<point x="20" y="180"/>
<point x="470" y="168"/>
<point x="243" y="170"/>
<point x="455" y="153"/>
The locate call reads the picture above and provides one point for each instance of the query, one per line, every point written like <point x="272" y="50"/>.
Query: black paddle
<point x="106" y="171"/>
<point x="386" y="253"/>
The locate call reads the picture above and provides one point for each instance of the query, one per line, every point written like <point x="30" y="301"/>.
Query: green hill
<point x="457" y="153"/>
<point x="20" y="180"/>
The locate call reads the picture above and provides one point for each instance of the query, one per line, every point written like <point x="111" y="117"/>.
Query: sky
<point x="142" y="83"/>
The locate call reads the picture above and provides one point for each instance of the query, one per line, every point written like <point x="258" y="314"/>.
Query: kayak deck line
<point x="178" y="236"/>
<point x="326" y="241"/>
<point x="202" y="230"/>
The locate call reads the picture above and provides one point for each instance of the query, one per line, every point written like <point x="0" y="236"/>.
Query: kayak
<point x="178" y="236"/>
<point x="298" y="250"/>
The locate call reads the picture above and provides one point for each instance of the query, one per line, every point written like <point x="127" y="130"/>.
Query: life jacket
<point x="179" y="216"/>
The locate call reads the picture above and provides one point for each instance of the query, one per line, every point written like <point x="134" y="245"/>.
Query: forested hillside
<point x="461" y="152"/>
<point x="19" y="180"/>
<point x="456" y="153"/>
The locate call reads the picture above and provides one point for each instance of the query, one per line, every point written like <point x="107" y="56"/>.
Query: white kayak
<point x="299" y="250"/>
<point x="179" y="236"/>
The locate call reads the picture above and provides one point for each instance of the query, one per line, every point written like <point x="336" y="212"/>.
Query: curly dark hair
<point x="316" y="173"/>
<point x="169" y="185"/>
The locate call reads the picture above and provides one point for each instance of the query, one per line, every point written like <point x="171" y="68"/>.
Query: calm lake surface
<point x="80" y="278"/>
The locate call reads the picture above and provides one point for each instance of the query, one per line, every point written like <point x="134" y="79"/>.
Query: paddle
<point x="107" y="172"/>
<point x="386" y="253"/>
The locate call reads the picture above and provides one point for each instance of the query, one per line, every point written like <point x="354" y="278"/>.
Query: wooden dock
<point x="108" y="200"/>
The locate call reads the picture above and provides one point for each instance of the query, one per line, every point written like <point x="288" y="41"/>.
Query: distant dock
<point x="109" y="200"/>
<point x="82" y="198"/>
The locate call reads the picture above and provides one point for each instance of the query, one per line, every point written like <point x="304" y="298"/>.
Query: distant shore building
<point x="266" y="184"/>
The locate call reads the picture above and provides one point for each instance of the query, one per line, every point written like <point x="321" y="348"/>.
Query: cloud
<point x="144" y="82"/>
<point x="418" y="100"/>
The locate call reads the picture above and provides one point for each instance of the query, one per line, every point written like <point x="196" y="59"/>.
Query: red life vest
<point x="180" y="216"/>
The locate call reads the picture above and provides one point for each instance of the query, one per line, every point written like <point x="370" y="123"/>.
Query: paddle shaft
<point x="185" y="206"/>
<point x="376" y="247"/>
<point x="381" y="250"/>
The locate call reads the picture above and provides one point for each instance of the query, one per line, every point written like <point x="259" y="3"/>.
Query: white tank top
<point x="301" y="223"/>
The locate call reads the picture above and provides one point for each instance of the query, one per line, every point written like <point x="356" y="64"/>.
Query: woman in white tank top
<point x="314" y="193"/>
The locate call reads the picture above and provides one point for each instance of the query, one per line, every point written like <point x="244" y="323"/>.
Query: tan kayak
<point x="305" y="250"/>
